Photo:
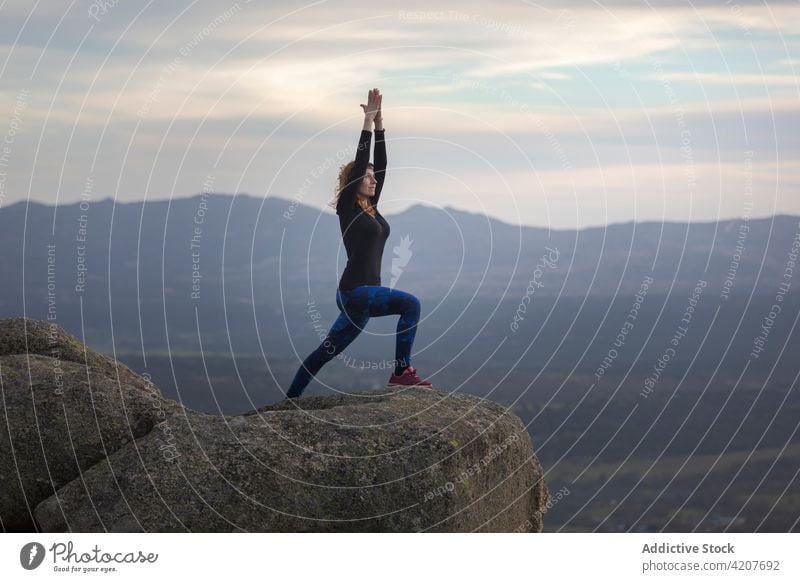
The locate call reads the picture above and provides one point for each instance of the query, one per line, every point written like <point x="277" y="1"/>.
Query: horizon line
<point x="109" y="199"/>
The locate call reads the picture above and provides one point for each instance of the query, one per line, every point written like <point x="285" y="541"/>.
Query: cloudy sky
<point x="560" y="114"/>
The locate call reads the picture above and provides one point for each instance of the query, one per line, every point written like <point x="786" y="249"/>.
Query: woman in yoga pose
<point x="360" y="294"/>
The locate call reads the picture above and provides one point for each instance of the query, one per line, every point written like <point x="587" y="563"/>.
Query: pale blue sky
<point x="566" y="114"/>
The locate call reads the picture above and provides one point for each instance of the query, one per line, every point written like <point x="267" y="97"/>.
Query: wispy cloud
<point x="279" y="85"/>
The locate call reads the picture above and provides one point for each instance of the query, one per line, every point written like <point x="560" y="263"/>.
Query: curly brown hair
<point x="344" y="172"/>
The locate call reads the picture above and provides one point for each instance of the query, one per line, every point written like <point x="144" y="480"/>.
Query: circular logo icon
<point x="31" y="555"/>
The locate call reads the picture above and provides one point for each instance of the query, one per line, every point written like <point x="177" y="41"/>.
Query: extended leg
<point x="344" y="330"/>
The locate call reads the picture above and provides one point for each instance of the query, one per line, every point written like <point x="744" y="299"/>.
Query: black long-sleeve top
<point x="364" y="236"/>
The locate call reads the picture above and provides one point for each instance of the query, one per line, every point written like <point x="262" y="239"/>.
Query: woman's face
<point x="367" y="186"/>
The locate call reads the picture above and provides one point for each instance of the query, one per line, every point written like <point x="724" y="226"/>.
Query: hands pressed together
<point x="372" y="110"/>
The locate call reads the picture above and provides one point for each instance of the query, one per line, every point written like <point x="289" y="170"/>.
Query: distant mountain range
<point x="248" y="273"/>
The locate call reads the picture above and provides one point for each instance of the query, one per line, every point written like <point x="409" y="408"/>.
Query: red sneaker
<point x="409" y="377"/>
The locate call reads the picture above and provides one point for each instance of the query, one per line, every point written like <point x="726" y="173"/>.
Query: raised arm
<point x="347" y="197"/>
<point x="380" y="163"/>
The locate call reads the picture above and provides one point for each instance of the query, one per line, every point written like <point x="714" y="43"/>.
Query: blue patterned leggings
<point x="357" y="305"/>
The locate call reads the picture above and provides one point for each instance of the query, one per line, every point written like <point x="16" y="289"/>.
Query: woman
<point x="360" y="294"/>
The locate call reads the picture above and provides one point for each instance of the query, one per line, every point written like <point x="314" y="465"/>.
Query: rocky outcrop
<point x="65" y="408"/>
<point x="387" y="460"/>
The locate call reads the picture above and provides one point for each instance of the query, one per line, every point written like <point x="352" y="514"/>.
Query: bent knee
<point x="414" y="304"/>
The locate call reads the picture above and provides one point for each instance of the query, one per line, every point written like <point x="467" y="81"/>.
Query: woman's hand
<point x="379" y="115"/>
<point x="373" y="107"/>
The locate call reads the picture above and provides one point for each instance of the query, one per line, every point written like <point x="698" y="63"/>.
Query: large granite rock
<point x="65" y="408"/>
<point x="388" y="460"/>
